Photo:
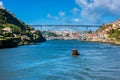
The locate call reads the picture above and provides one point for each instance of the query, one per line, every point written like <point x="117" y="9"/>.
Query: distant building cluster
<point x="63" y="35"/>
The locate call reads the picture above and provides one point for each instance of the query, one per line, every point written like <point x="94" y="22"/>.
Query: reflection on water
<point x="52" y="60"/>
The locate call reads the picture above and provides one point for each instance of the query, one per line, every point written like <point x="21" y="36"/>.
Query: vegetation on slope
<point x="115" y="34"/>
<point x="12" y="28"/>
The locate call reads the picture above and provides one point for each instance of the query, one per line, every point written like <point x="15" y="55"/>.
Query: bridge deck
<point x="65" y="25"/>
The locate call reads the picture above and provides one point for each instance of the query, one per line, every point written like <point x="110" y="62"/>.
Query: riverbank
<point x="113" y="42"/>
<point x="15" y="42"/>
<point x="61" y="38"/>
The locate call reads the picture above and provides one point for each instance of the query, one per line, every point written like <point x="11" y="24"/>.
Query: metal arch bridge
<point x="47" y="25"/>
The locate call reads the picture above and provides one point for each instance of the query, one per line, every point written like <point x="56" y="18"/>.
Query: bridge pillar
<point x="41" y="28"/>
<point x="87" y="28"/>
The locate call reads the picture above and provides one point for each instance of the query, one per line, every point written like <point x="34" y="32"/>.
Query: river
<point x="52" y="60"/>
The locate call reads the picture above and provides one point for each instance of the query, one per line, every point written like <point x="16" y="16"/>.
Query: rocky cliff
<point x="14" y="31"/>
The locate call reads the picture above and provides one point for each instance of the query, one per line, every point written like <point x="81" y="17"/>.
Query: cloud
<point x="76" y="20"/>
<point x="61" y="13"/>
<point x="49" y="15"/>
<point x="52" y="17"/>
<point x="95" y="10"/>
<point x="1" y="4"/>
<point x="75" y="10"/>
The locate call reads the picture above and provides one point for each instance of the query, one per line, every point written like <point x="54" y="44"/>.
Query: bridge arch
<point x="74" y="27"/>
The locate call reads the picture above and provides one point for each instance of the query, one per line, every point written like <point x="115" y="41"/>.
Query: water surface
<point x="52" y="60"/>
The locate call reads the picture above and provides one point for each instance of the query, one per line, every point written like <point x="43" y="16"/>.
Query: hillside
<point x="107" y="33"/>
<point x="14" y="31"/>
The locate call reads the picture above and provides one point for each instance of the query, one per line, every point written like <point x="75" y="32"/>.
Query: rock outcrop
<point x="8" y="43"/>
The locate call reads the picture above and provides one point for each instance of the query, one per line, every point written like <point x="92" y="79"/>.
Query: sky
<point x="64" y="11"/>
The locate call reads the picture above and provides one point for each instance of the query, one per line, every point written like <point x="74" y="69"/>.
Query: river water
<point x="52" y="60"/>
